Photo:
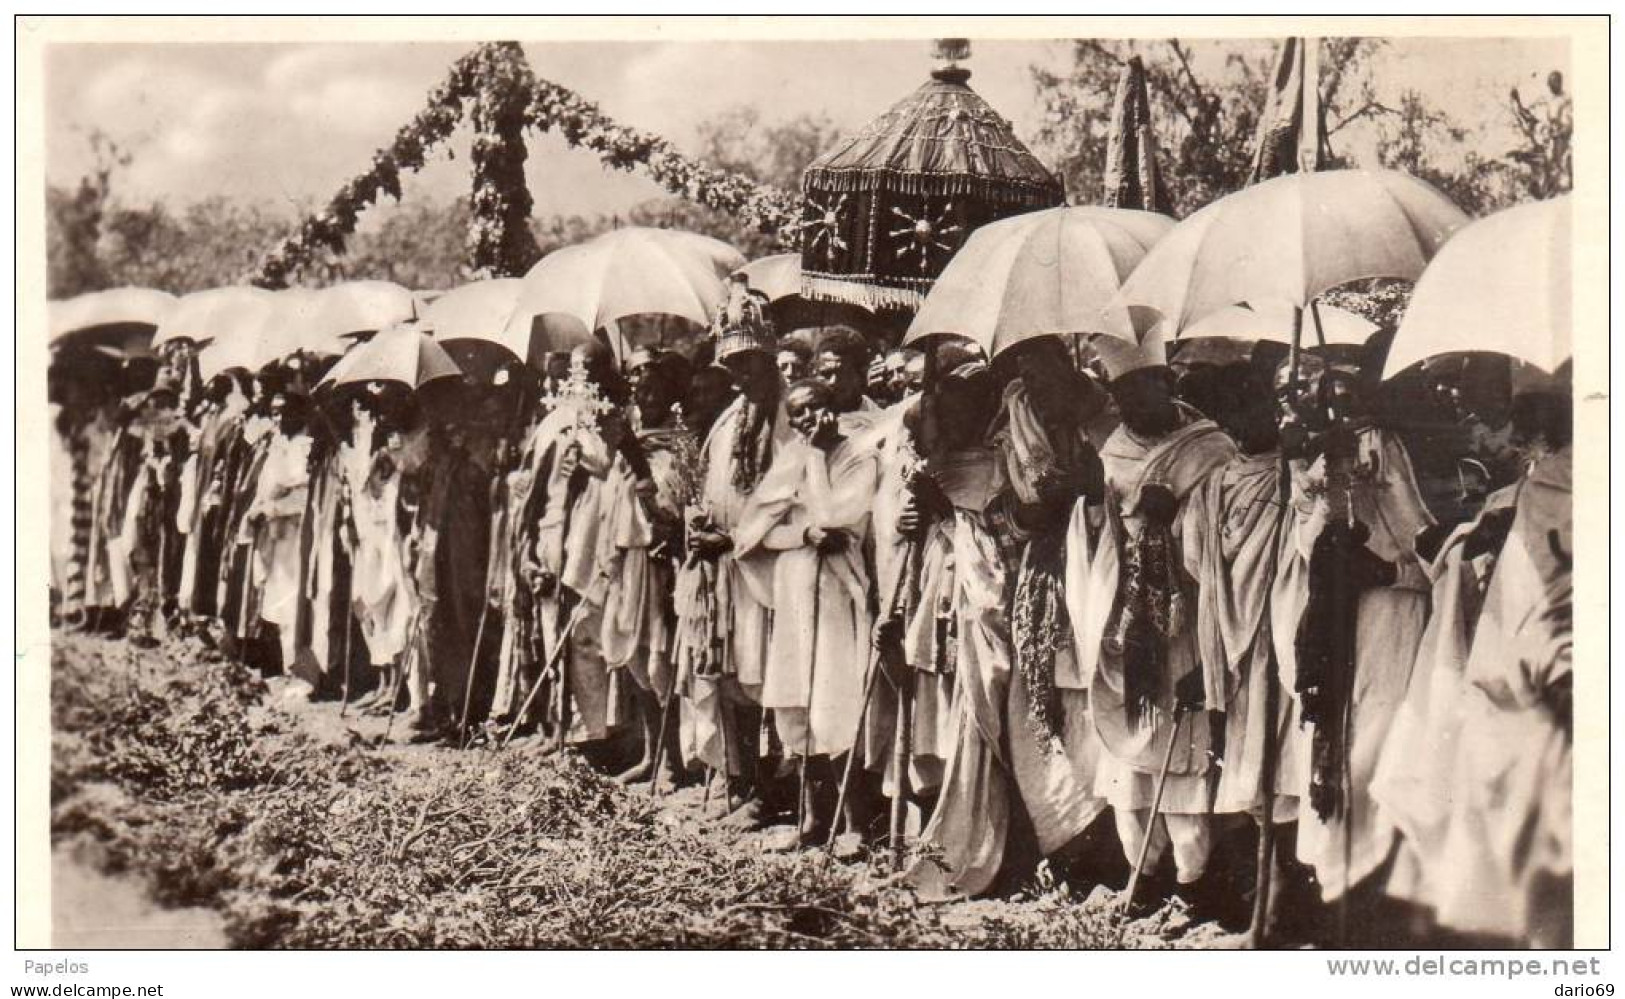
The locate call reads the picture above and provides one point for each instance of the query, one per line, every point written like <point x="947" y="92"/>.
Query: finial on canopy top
<point x="950" y="52"/>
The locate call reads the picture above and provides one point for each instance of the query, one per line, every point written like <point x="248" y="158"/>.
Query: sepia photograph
<point x="786" y="484"/>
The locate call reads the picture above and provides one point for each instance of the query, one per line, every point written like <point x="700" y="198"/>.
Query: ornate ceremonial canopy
<point x="886" y="209"/>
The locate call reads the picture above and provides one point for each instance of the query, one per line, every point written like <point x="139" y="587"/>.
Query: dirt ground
<point x="197" y="805"/>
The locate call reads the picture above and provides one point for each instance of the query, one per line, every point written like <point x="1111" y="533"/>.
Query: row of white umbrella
<point x="1253" y="265"/>
<point x="599" y="284"/>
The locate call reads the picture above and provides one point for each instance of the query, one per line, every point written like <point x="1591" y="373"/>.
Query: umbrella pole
<point x="1314" y="311"/>
<point x="812" y="676"/>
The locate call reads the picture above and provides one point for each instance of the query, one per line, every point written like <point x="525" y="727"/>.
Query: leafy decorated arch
<point x="495" y="90"/>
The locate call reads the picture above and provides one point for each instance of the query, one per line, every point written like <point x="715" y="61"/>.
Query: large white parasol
<point x="1049" y="272"/>
<point x="1290" y="239"/>
<point x="469" y="321"/>
<point x="1502" y="285"/>
<point x="201" y="315"/>
<point x="573" y="292"/>
<point x="359" y="307"/>
<point x="239" y="336"/>
<point x="123" y="318"/>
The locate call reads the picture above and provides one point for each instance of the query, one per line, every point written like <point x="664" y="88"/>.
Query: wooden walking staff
<point x="497" y="494"/>
<point x="1271" y="756"/>
<point x="870" y="681"/>
<point x="559" y="649"/>
<point x="1156" y="809"/>
<point x="1270" y="764"/>
<point x="812" y="677"/>
<point x="660" y="740"/>
<point x="412" y="657"/>
<point x="349" y="626"/>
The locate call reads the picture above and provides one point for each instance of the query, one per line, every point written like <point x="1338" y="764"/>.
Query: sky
<point x="286" y="124"/>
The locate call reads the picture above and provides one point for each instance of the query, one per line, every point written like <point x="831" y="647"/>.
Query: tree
<point x="738" y="141"/>
<point x="775" y="154"/>
<point x="420" y="244"/>
<point x="73" y="222"/>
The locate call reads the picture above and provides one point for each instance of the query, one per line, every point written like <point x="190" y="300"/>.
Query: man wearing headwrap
<point x="1132" y="604"/>
<point x="640" y="544"/>
<point x="724" y="599"/>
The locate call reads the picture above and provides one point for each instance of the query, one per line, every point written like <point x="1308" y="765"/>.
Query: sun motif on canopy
<point x="823" y="226"/>
<point x="922" y="237"/>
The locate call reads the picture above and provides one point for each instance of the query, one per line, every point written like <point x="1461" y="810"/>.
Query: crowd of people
<point x="1010" y="595"/>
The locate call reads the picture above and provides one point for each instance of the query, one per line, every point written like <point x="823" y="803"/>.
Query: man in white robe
<point x="1132" y="604"/>
<point x="1483" y="795"/>
<point x="724" y="598"/>
<point x="573" y="450"/>
<point x="274" y="518"/>
<point x="1235" y="542"/>
<point x="812" y="509"/>
<point x="379" y="464"/>
<point x="955" y="641"/>
<point x="1049" y="492"/>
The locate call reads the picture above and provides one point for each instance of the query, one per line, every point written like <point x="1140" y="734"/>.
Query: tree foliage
<point x="1207" y="95"/>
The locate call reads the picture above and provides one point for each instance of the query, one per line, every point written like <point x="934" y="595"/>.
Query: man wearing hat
<point x="1132" y="600"/>
<point x="724" y="601"/>
<point x="571" y="451"/>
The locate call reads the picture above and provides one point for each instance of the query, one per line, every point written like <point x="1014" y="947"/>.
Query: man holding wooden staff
<point x="1133" y="603"/>
<point x="1235" y="548"/>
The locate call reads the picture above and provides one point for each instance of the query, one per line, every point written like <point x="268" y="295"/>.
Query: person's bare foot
<point x="747" y="816"/>
<point x="637" y="773"/>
